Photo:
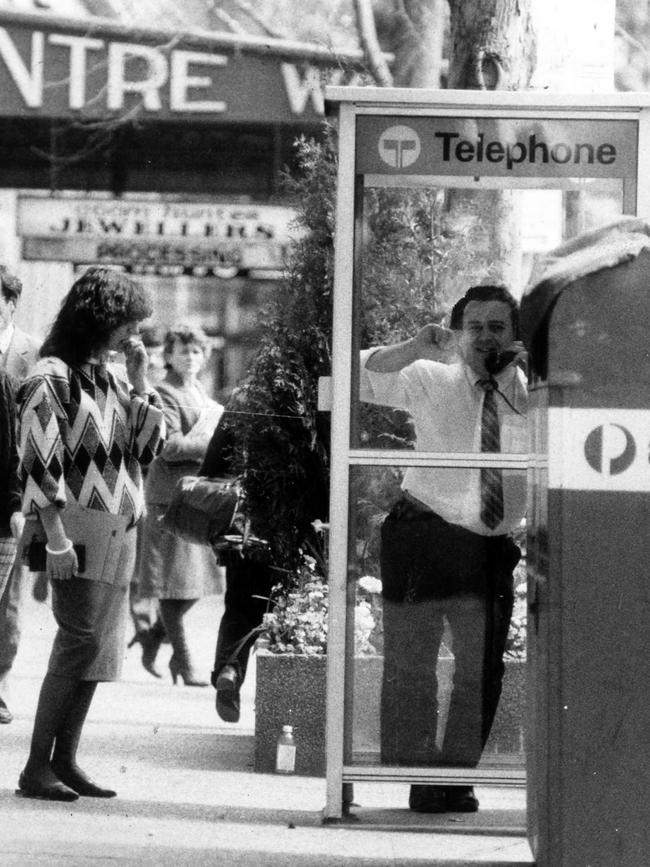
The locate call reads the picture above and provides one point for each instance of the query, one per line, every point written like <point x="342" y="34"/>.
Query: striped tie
<point x="491" y="477"/>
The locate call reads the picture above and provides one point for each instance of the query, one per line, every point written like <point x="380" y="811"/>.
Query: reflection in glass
<point x="420" y="248"/>
<point x="430" y="653"/>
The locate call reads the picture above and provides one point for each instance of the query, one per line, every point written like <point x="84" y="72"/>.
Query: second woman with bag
<point x="175" y="571"/>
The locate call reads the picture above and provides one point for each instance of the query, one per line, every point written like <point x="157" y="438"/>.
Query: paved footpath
<point x="188" y="794"/>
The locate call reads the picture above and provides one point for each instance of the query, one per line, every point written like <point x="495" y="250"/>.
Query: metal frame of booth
<point x="351" y="104"/>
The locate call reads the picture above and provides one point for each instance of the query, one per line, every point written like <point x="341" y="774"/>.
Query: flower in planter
<point x="369" y="597"/>
<point x="297" y="621"/>
<point x="516" y="641"/>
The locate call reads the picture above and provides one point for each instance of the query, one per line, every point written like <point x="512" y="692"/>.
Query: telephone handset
<point x="496" y="361"/>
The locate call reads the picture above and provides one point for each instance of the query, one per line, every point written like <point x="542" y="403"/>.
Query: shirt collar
<point x="6" y="337"/>
<point x="504" y="377"/>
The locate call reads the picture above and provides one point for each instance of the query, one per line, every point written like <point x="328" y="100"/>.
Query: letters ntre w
<point x="188" y="81"/>
<point x="531" y="150"/>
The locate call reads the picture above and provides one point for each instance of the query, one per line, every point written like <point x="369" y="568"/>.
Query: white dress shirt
<point x="445" y="404"/>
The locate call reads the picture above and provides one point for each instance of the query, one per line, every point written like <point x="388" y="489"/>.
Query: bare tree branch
<point x="370" y="43"/>
<point x="248" y="8"/>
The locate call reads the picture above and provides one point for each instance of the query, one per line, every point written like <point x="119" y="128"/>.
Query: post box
<point x="586" y="322"/>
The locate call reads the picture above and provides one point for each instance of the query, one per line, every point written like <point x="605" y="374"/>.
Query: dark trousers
<point x="424" y="560"/>
<point x="248" y="588"/>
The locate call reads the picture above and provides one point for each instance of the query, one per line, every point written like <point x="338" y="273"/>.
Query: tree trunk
<point x="492" y="44"/>
<point x="418" y="57"/>
<point x="492" y="48"/>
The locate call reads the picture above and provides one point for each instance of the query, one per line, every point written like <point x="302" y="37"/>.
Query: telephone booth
<point x="439" y="165"/>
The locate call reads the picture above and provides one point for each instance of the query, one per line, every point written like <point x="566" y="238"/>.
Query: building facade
<point x="159" y="152"/>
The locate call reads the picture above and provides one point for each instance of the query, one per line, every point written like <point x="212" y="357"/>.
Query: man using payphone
<point x="447" y="558"/>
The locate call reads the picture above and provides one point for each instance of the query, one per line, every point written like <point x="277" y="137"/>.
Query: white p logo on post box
<point x="599" y="449"/>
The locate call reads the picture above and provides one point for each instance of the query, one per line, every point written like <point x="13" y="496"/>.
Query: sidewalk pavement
<point x="188" y="794"/>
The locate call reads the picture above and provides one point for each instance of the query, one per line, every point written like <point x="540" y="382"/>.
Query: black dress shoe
<point x="45" y="789"/>
<point x="76" y="779"/>
<point x="461" y="799"/>
<point x="227" y="684"/>
<point x="427" y="799"/>
<point x="6" y="715"/>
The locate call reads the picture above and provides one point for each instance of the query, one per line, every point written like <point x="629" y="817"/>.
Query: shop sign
<point x="92" y="72"/>
<point x="504" y="147"/>
<point x="150" y="235"/>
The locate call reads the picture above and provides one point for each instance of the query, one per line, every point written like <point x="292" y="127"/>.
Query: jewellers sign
<point x="90" y="71"/>
<point x="510" y="147"/>
<point x="148" y="235"/>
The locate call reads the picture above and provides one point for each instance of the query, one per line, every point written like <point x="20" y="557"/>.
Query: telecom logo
<point x="610" y="449"/>
<point x="399" y="146"/>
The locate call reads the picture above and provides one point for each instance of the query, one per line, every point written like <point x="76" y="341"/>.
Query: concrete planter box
<point x="290" y="690"/>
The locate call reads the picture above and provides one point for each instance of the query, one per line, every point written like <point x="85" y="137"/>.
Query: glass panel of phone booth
<point x="400" y="662"/>
<point x="412" y="263"/>
<point x="410" y="639"/>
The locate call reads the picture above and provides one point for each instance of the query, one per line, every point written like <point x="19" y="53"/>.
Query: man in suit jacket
<point x="18" y="353"/>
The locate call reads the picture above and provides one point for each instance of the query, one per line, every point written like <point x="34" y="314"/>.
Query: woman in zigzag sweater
<point x="84" y="433"/>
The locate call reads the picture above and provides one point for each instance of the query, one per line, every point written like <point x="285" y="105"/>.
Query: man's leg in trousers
<point x="463" y="740"/>
<point x="248" y="587"/>
<point x="499" y="605"/>
<point x="409" y="697"/>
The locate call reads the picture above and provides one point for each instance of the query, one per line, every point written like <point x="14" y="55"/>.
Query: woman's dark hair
<point x="186" y="334"/>
<point x="99" y="301"/>
<point x="485" y="293"/>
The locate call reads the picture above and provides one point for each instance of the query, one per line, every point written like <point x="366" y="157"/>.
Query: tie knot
<point x="489" y="384"/>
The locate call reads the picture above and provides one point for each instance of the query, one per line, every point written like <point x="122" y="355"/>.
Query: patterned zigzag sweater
<point x="78" y="443"/>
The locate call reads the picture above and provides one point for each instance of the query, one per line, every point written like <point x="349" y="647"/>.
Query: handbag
<point x="202" y="509"/>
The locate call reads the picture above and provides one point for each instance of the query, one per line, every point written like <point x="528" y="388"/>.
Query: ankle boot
<point x="150" y="640"/>
<point x="185" y="671"/>
<point x="172" y="612"/>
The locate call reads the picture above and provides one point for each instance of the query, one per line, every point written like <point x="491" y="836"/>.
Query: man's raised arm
<point x="431" y="341"/>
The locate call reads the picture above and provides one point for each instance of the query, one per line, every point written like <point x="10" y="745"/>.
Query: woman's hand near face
<point x="137" y="362"/>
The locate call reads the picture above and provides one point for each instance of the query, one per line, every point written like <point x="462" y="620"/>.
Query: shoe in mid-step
<point x="227" y="685"/>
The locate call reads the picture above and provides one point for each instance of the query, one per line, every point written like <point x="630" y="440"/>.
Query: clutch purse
<point x="97" y="538"/>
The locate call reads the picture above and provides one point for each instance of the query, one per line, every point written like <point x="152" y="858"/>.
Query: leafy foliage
<point x="282" y="440"/>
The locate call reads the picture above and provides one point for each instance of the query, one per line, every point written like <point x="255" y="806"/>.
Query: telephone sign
<point x="505" y="147"/>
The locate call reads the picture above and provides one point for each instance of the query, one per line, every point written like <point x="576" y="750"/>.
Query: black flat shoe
<point x="461" y="799"/>
<point x="81" y="783"/>
<point x="427" y="799"/>
<point x="45" y="790"/>
<point x="227" y="685"/>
